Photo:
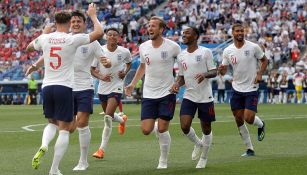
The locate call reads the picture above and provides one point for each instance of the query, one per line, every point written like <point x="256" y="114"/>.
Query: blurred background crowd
<point x="279" y="26"/>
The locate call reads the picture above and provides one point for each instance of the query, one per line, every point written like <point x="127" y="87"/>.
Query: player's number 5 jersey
<point x="58" y="51"/>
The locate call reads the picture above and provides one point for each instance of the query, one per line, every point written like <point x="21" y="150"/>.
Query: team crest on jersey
<point x="119" y="57"/>
<point x="84" y="50"/>
<point x="164" y="55"/>
<point x="247" y="53"/>
<point x="198" y="58"/>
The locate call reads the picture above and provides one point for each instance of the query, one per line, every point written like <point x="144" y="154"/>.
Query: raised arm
<point x="98" y="32"/>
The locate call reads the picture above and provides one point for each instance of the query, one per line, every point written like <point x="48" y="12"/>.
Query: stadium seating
<point x="276" y="24"/>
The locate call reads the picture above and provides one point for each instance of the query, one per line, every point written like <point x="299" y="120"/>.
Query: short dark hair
<point x="162" y="23"/>
<point x="195" y="30"/>
<point x="237" y="24"/>
<point x="62" y="17"/>
<point x="113" y="29"/>
<point x="79" y="14"/>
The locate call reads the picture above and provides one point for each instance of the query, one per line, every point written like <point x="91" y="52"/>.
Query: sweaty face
<point x="112" y="37"/>
<point x="154" y="30"/>
<point x="77" y="24"/>
<point x="238" y="33"/>
<point x="188" y="36"/>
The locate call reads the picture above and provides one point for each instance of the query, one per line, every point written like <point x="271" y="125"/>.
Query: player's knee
<point x="146" y="131"/>
<point x="108" y="121"/>
<point x="207" y="131"/>
<point x="185" y="129"/>
<point x="249" y="120"/>
<point x="82" y="123"/>
<point x="72" y="130"/>
<point x="162" y="130"/>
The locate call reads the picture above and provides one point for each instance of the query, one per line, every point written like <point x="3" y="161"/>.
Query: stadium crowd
<point x="278" y="25"/>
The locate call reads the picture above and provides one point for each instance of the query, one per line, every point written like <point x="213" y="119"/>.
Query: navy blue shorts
<point x="276" y="92"/>
<point x="83" y="101"/>
<point x="163" y="108"/>
<point x="205" y="110"/>
<point x="244" y="100"/>
<point x="58" y="103"/>
<point x="104" y="98"/>
<point x="283" y="90"/>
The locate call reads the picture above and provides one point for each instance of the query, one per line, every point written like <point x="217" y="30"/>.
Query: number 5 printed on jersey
<point x="55" y="55"/>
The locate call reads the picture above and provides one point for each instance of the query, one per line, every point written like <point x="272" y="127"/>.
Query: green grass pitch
<point x="282" y="152"/>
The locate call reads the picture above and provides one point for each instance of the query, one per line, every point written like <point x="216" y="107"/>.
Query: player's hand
<point x="30" y="70"/>
<point x="129" y="89"/>
<point x="106" y="62"/>
<point x="106" y="78"/>
<point x="199" y="78"/>
<point x="91" y="11"/>
<point x="258" y="78"/>
<point x="222" y="69"/>
<point x="121" y="74"/>
<point x="49" y="28"/>
<point x="175" y="88"/>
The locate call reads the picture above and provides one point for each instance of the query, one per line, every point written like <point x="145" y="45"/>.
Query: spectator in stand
<point x="305" y="85"/>
<point x="220" y="88"/>
<point x="283" y="80"/>
<point x="298" y="79"/>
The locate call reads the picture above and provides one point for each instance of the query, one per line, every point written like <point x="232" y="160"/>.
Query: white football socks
<point x="84" y="140"/>
<point x="258" y="122"/>
<point x="164" y="142"/>
<point x="117" y="118"/>
<point x="48" y="134"/>
<point x="206" y="141"/>
<point x="107" y="130"/>
<point x="60" y="148"/>
<point x="193" y="137"/>
<point x="245" y="136"/>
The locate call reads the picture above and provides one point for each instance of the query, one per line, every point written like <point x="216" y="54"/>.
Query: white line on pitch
<point x="28" y="127"/>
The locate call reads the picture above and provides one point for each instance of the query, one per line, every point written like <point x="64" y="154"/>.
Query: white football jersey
<point x="118" y="58"/>
<point x="58" y="51"/>
<point x="83" y="60"/>
<point x="298" y="79"/>
<point x="244" y="62"/>
<point x="159" y="67"/>
<point x="191" y="64"/>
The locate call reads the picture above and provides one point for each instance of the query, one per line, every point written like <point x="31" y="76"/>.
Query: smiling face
<point x="238" y="33"/>
<point x="189" y="36"/>
<point x="112" y="37"/>
<point x="77" y="25"/>
<point x="155" y="29"/>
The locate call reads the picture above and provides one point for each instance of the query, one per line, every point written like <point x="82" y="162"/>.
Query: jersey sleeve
<point x="142" y="59"/>
<point x="98" y="51"/>
<point x="81" y="39"/>
<point x="180" y="68"/>
<point x="209" y="60"/>
<point x="38" y="43"/>
<point x="177" y="50"/>
<point x="95" y="63"/>
<point x="225" y="58"/>
<point x="258" y="52"/>
<point x="128" y="57"/>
